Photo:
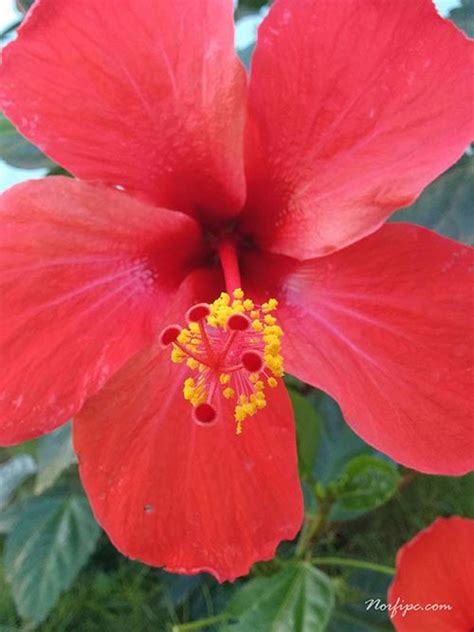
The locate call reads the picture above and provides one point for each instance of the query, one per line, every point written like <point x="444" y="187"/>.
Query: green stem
<point x="310" y="527"/>
<point x="344" y="561"/>
<point x="197" y="625"/>
<point x="314" y="526"/>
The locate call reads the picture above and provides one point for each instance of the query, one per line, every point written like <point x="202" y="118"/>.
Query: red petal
<point x="385" y="327"/>
<point x="85" y="273"/>
<point x="436" y="568"/>
<point x="352" y="113"/>
<point x="189" y="497"/>
<point x="149" y="95"/>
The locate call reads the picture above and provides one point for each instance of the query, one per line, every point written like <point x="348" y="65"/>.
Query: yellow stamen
<point x="213" y="351"/>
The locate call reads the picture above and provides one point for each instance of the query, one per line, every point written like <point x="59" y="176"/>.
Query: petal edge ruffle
<point x="385" y="327"/>
<point x="175" y="494"/>
<point x="149" y="96"/>
<point x="85" y="273"/>
<point x="352" y="112"/>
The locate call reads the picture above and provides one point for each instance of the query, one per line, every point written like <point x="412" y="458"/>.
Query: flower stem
<point x="230" y="264"/>
<point x="344" y="561"/>
<point x="202" y="623"/>
<point x="314" y="526"/>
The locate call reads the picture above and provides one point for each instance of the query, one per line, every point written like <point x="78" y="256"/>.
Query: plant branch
<point x="352" y="563"/>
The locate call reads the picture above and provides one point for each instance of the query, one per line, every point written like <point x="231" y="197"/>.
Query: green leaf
<point x="297" y="599"/>
<point x="179" y="588"/>
<point x="252" y="4"/>
<point x="351" y="613"/>
<point x="338" y="442"/>
<point x="356" y="622"/>
<point x="463" y="16"/>
<point x="307" y="433"/>
<point x="446" y="205"/>
<point x="10" y="515"/>
<point x="12" y="474"/>
<point x="17" y="151"/>
<point x="46" y="548"/>
<point x="24" y="5"/>
<point x="54" y="455"/>
<point x="366" y="483"/>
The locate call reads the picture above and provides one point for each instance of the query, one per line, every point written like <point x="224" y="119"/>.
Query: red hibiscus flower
<point x="122" y="289"/>
<point x="432" y="589"/>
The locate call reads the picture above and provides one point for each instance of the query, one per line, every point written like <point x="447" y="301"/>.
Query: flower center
<point x="232" y="349"/>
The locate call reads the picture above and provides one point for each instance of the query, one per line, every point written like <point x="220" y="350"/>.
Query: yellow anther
<point x="239" y="415"/>
<point x="273" y="330"/>
<point x="184" y="337"/>
<point x="238" y="307"/>
<point x="177" y="356"/>
<point x="270" y="306"/>
<point x="194" y="393"/>
<point x="264" y="336"/>
<point x="257" y="325"/>
<point x="273" y="346"/>
<point x="250" y="409"/>
<point x="228" y="393"/>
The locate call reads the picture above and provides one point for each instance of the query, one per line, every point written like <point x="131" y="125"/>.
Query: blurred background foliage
<point x="59" y="573"/>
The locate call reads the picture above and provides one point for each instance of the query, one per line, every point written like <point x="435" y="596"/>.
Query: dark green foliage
<point x="297" y="598"/>
<point x="55" y="454"/>
<point x="250" y="6"/>
<point x="417" y="504"/>
<point x="366" y="483"/>
<point x="17" y="151"/>
<point x="12" y="474"/>
<point x="307" y="433"/>
<point x="463" y="17"/>
<point x="447" y="205"/>
<point x="24" y="5"/>
<point x="46" y="547"/>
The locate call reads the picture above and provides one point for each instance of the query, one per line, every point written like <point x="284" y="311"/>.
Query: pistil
<point x="232" y="349"/>
<point x="230" y="264"/>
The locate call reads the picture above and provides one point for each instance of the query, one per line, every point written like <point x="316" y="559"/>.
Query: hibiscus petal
<point x="187" y="497"/>
<point x="436" y="569"/>
<point x="385" y="327"/>
<point x="352" y="112"/>
<point x="149" y="96"/>
<point x="85" y="273"/>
